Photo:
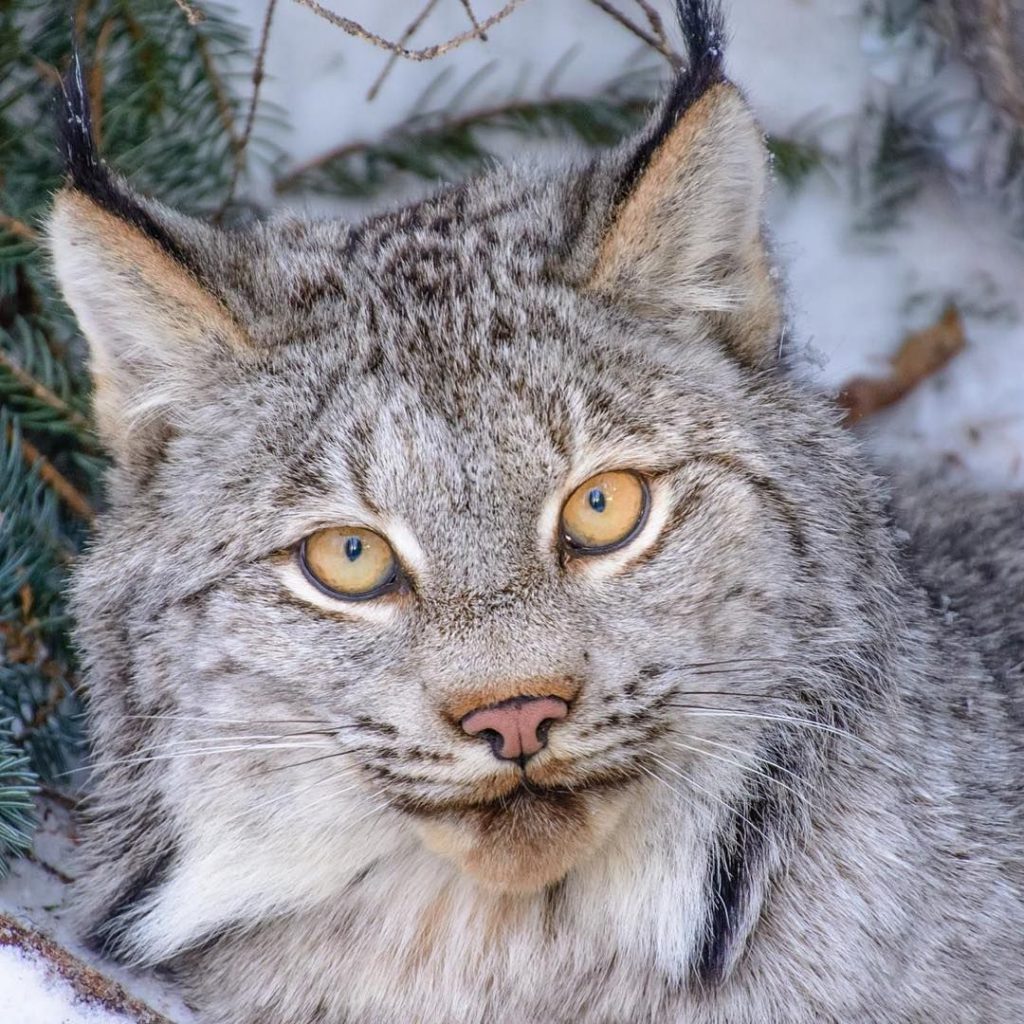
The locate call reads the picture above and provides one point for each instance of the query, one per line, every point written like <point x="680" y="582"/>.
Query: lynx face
<point x="474" y="527"/>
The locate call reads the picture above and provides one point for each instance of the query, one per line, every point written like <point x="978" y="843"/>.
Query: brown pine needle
<point x="922" y="354"/>
<point x="43" y="393"/>
<point x="17" y="227"/>
<point x="53" y="478"/>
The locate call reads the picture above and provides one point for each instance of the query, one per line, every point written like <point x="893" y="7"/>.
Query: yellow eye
<point x="349" y="562"/>
<point x="605" y="512"/>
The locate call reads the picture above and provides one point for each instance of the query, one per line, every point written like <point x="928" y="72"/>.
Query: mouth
<point x="522" y="836"/>
<point x="524" y="788"/>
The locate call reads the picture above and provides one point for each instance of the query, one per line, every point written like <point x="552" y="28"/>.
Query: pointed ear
<point x="149" y="323"/>
<point x="686" y="233"/>
<point x="127" y="269"/>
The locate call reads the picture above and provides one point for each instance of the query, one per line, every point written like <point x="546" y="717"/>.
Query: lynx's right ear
<point x="127" y="269"/>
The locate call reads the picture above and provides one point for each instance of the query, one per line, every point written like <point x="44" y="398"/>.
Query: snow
<point x="36" y="894"/>
<point x="30" y="993"/>
<point x="852" y="296"/>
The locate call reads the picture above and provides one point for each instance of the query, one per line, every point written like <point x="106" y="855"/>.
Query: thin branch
<point x="353" y="28"/>
<point x="250" y="117"/>
<point x="43" y="393"/>
<point x="192" y="14"/>
<point x="653" y="19"/>
<point x="656" y="44"/>
<point x="50" y="475"/>
<point x="19" y="228"/>
<point x="472" y="20"/>
<point x="392" y="60"/>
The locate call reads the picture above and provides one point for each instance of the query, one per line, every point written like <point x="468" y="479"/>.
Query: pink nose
<point x="516" y="728"/>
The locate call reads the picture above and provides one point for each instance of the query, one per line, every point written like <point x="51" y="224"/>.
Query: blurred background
<point x="896" y="129"/>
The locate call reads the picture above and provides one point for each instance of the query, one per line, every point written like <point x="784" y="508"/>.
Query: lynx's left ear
<point x="686" y="234"/>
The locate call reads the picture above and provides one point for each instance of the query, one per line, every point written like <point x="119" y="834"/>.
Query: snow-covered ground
<point x="853" y="297"/>
<point x="36" y="894"/>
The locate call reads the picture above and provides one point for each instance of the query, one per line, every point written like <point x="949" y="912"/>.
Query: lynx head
<point x="486" y="524"/>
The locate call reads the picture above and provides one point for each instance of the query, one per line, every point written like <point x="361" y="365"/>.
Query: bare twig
<point x="406" y="36"/>
<point x="192" y="14"/>
<point x="655" y="43"/>
<point x="43" y="393"/>
<point x="653" y="19"/>
<point x="19" y="228"/>
<point x="250" y="117"/>
<point x="472" y="20"/>
<point x="353" y="28"/>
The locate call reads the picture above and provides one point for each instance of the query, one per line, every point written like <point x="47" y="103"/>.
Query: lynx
<point x="486" y="624"/>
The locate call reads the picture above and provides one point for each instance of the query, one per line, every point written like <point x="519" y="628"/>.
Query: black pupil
<point x="353" y="548"/>
<point x="597" y="499"/>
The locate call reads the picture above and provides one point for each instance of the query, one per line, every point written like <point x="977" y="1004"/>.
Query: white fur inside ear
<point x="145" y="317"/>
<point x="688" y="238"/>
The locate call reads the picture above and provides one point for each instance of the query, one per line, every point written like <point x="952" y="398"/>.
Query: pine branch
<point x="441" y="146"/>
<point x="192" y="15"/>
<point x="43" y="393"/>
<point x="471" y="14"/>
<point x="167" y="111"/>
<point x="18" y="787"/>
<point x="794" y="160"/>
<point x="654" y="20"/>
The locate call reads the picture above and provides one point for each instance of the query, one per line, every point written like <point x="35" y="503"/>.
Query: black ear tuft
<point x="704" y="34"/>
<point x="88" y="174"/>
<point x="86" y="171"/>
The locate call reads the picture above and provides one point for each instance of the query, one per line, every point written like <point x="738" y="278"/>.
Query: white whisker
<point x="718" y="800"/>
<point x="742" y="767"/>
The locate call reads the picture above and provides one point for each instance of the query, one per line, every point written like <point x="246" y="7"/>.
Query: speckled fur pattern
<point x="788" y="789"/>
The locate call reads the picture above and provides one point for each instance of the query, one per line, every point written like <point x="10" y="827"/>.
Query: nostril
<point x="493" y="738"/>
<point x="543" y="728"/>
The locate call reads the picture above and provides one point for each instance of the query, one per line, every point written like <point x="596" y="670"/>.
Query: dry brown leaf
<point x="921" y="355"/>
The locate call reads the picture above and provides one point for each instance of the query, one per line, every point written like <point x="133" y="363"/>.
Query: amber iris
<point x="349" y="562"/>
<point x="604" y="513"/>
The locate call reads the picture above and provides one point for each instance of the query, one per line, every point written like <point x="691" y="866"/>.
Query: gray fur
<point x="792" y="771"/>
